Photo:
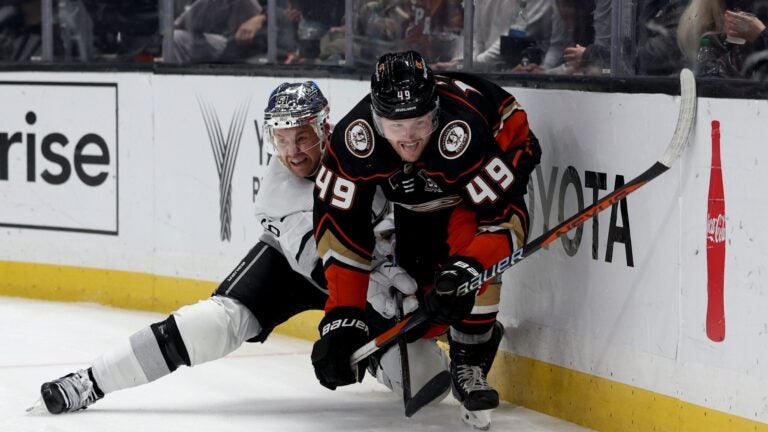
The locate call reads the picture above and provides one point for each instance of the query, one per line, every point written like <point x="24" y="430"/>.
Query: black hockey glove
<point x="342" y="331"/>
<point x="452" y="299"/>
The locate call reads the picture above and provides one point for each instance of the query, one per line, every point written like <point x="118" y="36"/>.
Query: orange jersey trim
<point x="462" y="100"/>
<point x="346" y="287"/>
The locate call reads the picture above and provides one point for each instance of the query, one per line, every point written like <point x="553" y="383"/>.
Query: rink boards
<point x="137" y="190"/>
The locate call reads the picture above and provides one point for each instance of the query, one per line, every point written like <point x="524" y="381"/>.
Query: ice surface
<point x="260" y="387"/>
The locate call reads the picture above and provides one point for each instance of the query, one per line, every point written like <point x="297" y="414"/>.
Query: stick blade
<point x="433" y="389"/>
<point x="685" y="118"/>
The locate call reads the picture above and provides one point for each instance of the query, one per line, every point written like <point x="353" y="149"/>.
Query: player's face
<point x="299" y="148"/>
<point x="409" y="137"/>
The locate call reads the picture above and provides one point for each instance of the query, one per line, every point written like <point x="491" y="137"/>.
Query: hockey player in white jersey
<point x="280" y="277"/>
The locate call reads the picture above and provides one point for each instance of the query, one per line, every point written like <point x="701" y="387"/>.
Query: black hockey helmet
<point x="402" y="86"/>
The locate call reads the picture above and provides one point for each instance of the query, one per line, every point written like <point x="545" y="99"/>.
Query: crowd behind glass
<point x="716" y="38"/>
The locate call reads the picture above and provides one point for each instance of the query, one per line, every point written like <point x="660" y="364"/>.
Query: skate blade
<point x="37" y="408"/>
<point x="480" y="420"/>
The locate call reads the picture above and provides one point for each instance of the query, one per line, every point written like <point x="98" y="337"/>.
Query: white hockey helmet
<point x="296" y="104"/>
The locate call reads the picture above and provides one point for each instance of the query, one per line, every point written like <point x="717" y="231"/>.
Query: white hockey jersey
<point x="284" y="209"/>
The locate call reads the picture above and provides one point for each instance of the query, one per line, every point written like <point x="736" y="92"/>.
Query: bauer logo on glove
<point x="345" y="322"/>
<point x="459" y="277"/>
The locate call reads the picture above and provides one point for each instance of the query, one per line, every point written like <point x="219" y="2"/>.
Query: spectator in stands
<point x="715" y="21"/>
<point x="653" y="52"/>
<point x="123" y="30"/>
<point x="751" y="29"/>
<point x="531" y="39"/>
<point x="378" y="28"/>
<point x="491" y="21"/>
<point x="595" y="56"/>
<point x="745" y="26"/>
<point x="510" y="31"/>
<point x="220" y="30"/>
<point x="19" y="30"/>
<point x="545" y="39"/>
<point x="316" y="20"/>
<point x="433" y="28"/>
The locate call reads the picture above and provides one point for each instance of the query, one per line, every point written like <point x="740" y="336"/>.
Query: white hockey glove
<point x="384" y="279"/>
<point x="383" y="233"/>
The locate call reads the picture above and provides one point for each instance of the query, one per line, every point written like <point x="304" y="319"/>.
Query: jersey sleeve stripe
<point x="506" y="109"/>
<point x="326" y="238"/>
<point x="473" y="168"/>
<point x="479" y="321"/>
<point x="348" y="176"/>
<point x="463" y="101"/>
<point x="507" y="216"/>
<point x="514" y="130"/>
<point x="479" y="310"/>
<point x="332" y="257"/>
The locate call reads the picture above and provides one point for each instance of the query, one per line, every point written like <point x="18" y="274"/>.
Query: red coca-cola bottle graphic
<point x="715" y="243"/>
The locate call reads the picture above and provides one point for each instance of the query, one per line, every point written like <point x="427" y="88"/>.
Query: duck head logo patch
<point x="454" y="139"/>
<point x="359" y="138"/>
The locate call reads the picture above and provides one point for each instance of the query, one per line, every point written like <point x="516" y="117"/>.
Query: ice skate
<point x="70" y="393"/>
<point x="470" y="364"/>
<point x="471" y="388"/>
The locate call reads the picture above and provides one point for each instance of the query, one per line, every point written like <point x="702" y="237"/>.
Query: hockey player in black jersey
<point x="454" y="153"/>
<point x="279" y="278"/>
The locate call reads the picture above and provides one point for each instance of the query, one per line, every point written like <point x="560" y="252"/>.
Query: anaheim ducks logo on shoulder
<point x="359" y="138"/>
<point x="454" y="139"/>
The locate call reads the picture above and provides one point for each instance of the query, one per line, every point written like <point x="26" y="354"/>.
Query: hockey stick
<point x="432" y="389"/>
<point x="402" y="344"/>
<point x="685" y="120"/>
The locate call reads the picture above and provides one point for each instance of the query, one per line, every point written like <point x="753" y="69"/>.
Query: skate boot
<point x="470" y="364"/>
<point x="71" y="392"/>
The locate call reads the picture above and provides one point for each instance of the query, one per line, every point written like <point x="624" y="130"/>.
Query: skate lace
<point x="472" y="378"/>
<point x="77" y="389"/>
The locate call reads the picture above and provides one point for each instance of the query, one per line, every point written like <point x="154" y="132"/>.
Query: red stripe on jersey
<point x="462" y="100"/>
<point x="473" y="168"/>
<point x="515" y="131"/>
<point x="508" y="101"/>
<point x="353" y="178"/>
<point x="484" y="321"/>
<point x="346" y="287"/>
<point x="364" y="253"/>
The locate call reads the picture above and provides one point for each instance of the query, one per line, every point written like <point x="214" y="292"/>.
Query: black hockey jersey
<point x="463" y="197"/>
